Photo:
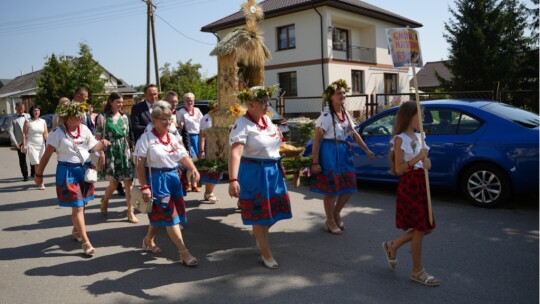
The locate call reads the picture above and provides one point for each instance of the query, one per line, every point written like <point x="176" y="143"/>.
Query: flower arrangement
<point x="257" y="93"/>
<point x="213" y="105"/>
<point x="236" y="110"/>
<point x="333" y="87"/>
<point x="77" y="109"/>
<point x="204" y="164"/>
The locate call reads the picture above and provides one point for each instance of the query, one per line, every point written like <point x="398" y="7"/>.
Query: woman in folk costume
<point x="333" y="172"/>
<point x="255" y="175"/>
<point x="159" y="152"/>
<point x="71" y="140"/>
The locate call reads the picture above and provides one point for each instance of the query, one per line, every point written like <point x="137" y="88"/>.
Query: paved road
<point x="481" y="256"/>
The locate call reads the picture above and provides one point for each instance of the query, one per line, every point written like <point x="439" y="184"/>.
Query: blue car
<point x="486" y="149"/>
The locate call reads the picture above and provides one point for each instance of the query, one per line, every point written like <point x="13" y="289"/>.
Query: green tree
<point x="53" y="83"/>
<point x="486" y="38"/>
<point x="61" y="77"/>
<point x="186" y="77"/>
<point x="86" y="72"/>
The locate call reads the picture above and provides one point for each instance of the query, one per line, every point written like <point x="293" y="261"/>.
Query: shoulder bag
<point x="137" y="200"/>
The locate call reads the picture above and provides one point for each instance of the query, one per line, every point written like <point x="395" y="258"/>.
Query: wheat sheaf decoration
<point x="252" y="11"/>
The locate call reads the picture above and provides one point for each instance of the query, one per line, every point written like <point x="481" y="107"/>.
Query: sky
<point x="115" y="30"/>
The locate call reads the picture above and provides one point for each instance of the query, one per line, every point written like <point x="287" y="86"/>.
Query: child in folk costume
<point x="333" y="172"/>
<point x="209" y="179"/>
<point x="408" y="160"/>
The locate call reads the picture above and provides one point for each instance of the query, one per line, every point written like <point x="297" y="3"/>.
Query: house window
<point x="340" y="39"/>
<point x="286" y="37"/>
<point x="287" y="83"/>
<point x="357" y="82"/>
<point x="390" y="83"/>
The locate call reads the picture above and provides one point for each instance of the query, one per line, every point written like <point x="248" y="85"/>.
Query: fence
<point x="364" y="106"/>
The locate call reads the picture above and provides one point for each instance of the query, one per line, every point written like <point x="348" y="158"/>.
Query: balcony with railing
<point x="343" y="51"/>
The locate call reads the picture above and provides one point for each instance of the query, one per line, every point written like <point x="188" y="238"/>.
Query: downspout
<point x="322" y="47"/>
<point x="216" y="36"/>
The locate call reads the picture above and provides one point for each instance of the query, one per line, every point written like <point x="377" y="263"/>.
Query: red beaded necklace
<point x="264" y="125"/>
<point x="342" y="115"/>
<point x="190" y="113"/>
<point x="159" y="137"/>
<point x="71" y="135"/>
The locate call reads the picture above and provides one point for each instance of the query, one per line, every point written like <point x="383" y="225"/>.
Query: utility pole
<point x="150" y="32"/>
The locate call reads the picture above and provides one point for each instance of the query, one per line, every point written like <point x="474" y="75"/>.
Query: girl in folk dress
<point x="161" y="152"/>
<point x="255" y="175"/>
<point x="409" y="159"/>
<point x="71" y="188"/>
<point x="209" y="179"/>
<point x="115" y="163"/>
<point x="35" y="135"/>
<point x="333" y="172"/>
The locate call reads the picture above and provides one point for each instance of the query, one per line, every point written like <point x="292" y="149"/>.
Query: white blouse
<point x="161" y="156"/>
<point x="410" y="147"/>
<point x="172" y="130"/>
<point x="192" y="123"/>
<point x="66" y="150"/>
<point x="343" y="129"/>
<point x="206" y="122"/>
<point x="257" y="143"/>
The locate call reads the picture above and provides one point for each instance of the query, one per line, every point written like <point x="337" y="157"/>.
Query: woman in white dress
<point x="35" y="135"/>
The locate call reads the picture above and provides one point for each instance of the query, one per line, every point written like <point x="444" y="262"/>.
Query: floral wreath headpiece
<point x="257" y="93"/>
<point x="72" y="109"/>
<point x="333" y="87"/>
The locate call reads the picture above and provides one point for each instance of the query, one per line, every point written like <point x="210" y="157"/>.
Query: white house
<point x="316" y="42"/>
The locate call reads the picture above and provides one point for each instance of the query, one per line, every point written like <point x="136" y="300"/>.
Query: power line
<point x="185" y="36"/>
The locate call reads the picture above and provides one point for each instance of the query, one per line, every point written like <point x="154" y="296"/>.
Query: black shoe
<point x="25" y="178"/>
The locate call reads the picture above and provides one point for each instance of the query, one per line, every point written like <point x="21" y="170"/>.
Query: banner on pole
<point x="404" y="46"/>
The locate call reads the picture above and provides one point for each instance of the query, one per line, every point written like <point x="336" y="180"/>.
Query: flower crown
<point x="72" y="109"/>
<point x="334" y="86"/>
<point x="257" y="93"/>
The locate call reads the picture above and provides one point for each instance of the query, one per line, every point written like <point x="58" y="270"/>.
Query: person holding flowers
<point x="255" y="175"/>
<point x="332" y="167"/>
<point x="71" y="141"/>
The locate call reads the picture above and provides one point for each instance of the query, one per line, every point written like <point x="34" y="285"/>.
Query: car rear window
<point x="518" y="116"/>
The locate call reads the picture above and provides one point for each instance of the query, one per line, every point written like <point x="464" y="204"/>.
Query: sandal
<point x="424" y="278"/>
<point x="211" y="198"/>
<point x="193" y="261"/>
<point x="75" y="235"/>
<point x="333" y="231"/>
<point x="132" y="218"/>
<point x="90" y="251"/>
<point x="195" y="189"/>
<point x="154" y="249"/>
<point x="339" y="223"/>
<point x="270" y="264"/>
<point x="104" y="204"/>
<point x="392" y="261"/>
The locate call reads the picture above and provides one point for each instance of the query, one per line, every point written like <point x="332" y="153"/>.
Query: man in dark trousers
<point x="15" y="130"/>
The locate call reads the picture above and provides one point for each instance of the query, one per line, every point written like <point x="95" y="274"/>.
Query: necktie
<point x="21" y="115"/>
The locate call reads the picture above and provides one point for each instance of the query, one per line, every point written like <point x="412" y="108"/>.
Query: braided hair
<point x="327" y="95"/>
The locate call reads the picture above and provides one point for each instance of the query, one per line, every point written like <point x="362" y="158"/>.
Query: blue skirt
<point x="194" y="144"/>
<point x="71" y="189"/>
<point x="337" y="175"/>
<point x="168" y="208"/>
<point x="210" y="177"/>
<point x="264" y="199"/>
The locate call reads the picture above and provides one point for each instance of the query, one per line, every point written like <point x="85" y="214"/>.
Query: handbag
<point x="90" y="174"/>
<point x="137" y="200"/>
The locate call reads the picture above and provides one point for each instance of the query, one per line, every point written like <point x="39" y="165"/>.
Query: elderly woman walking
<point x="116" y="163"/>
<point x="158" y="155"/>
<point x="333" y="171"/>
<point x="255" y="175"/>
<point x="71" y="141"/>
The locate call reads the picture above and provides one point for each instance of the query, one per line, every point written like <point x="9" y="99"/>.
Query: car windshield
<point x="518" y="116"/>
<point x="2" y="118"/>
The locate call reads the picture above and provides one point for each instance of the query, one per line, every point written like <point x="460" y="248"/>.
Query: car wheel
<point x="486" y="185"/>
